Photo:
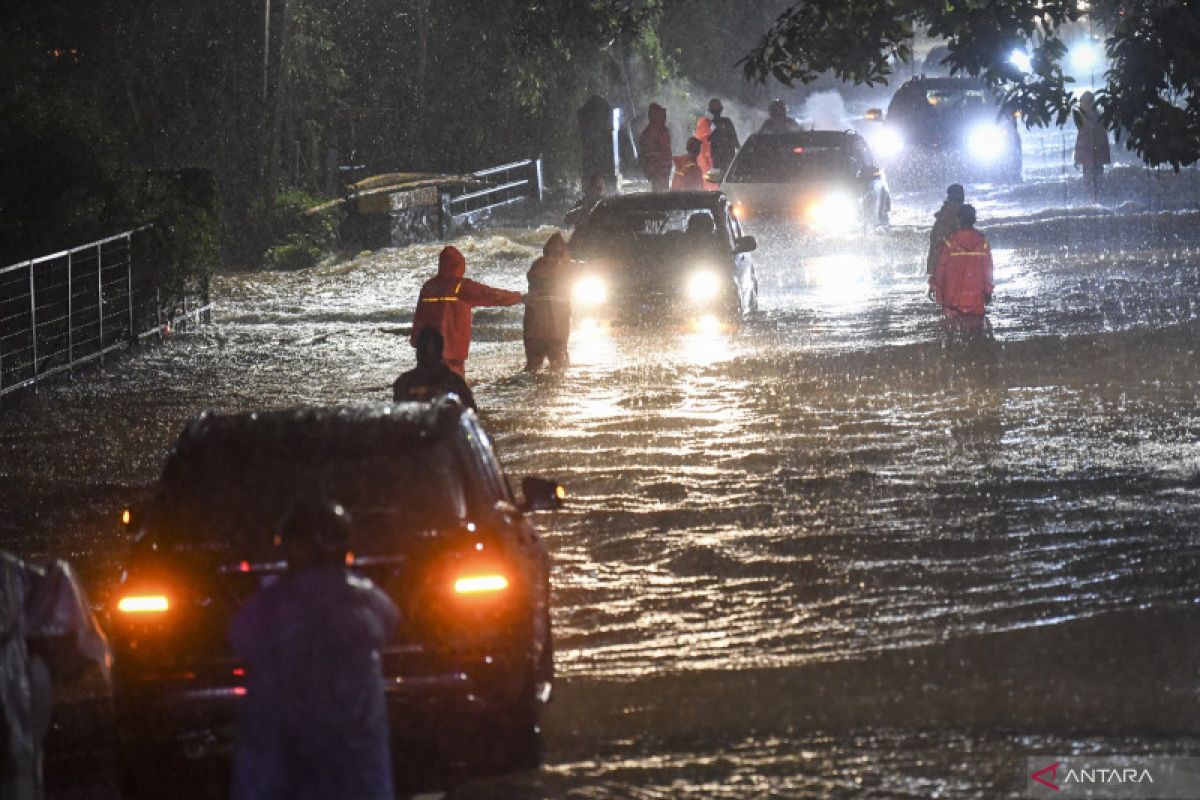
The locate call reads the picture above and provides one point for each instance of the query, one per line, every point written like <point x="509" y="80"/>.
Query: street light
<point x="1084" y="57"/>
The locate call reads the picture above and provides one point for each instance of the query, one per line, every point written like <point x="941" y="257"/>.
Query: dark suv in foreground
<point x="434" y="525"/>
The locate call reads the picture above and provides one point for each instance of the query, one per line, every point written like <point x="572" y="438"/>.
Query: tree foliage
<point x="1149" y="99"/>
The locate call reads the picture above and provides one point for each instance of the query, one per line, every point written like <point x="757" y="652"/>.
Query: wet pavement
<point x="827" y="555"/>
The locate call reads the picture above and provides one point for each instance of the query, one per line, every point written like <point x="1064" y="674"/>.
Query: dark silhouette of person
<point x="723" y="139"/>
<point x="778" y="120"/>
<point x="315" y="722"/>
<point x="595" y="191"/>
<point x="547" y="325"/>
<point x="431" y="378"/>
<point x="945" y="223"/>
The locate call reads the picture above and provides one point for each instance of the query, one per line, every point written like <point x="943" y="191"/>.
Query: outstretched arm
<point x="478" y="294"/>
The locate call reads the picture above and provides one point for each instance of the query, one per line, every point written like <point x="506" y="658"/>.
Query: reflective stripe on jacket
<point x="962" y="280"/>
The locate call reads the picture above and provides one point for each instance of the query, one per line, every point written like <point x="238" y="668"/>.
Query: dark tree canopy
<point x="1149" y="98"/>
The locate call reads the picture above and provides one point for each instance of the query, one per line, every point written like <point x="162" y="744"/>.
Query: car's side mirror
<point x="714" y="175"/>
<point x="874" y="115"/>
<point x="745" y="244"/>
<point x="540" y="494"/>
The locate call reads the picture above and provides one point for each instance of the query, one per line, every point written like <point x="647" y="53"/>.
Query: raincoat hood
<point x="451" y="263"/>
<point x="658" y="114"/>
<point x="556" y="247"/>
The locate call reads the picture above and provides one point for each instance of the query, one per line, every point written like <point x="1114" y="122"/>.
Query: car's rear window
<point x="224" y="501"/>
<point x="778" y="159"/>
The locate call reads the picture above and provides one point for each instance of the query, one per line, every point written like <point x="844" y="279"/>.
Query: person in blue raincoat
<point x="315" y="723"/>
<point x="48" y="635"/>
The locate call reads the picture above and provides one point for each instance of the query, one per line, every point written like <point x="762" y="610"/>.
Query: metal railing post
<point x="70" y="315"/>
<point x="33" y="321"/>
<point x="100" y="296"/>
<point x="537" y="171"/>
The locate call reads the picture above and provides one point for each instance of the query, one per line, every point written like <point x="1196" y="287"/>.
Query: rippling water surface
<point x="843" y="478"/>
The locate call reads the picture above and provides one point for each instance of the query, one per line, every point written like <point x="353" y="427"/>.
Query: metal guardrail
<point x="503" y="184"/>
<point x="66" y="309"/>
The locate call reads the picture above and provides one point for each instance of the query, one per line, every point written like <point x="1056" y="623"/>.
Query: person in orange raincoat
<point x="655" y="147"/>
<point x="688" y="177"/>
<point x="704" y="129"/>
<point x="962" y="280"/>
<point x="446" y="302"/>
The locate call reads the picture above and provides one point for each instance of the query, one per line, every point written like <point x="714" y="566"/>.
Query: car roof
<point x="956" y="82"/>
<point x="810" y="138"/>
<point x="665" y="201"/>
<point x="336" y="431"/>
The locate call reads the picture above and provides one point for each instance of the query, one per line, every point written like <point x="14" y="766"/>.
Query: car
<point x="665" y="257"/>
<point x="435" y="525"/>
<point x="822" y="181"/>
<point x="946" y="128"/>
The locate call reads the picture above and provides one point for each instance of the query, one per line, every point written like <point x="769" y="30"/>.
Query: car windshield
<point x="779" y="159"/>
<point x="956" y="98"/>
<point x="614" y="230"/>
<point x="233" y="501"/>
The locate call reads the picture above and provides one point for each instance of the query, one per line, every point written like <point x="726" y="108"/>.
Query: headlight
<point x="589" y="291"/>
<point x="834" y="213"/>
<point x="703" y="286"/>
<point x="888" y="143"/>
<point x="987" y="142"/>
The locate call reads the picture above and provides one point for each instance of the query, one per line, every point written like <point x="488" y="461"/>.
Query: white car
<point x="824" y="181"/>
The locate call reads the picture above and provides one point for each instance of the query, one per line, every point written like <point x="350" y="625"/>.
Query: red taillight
<point x="143" y="604"/>
<point x="480" y="584"/>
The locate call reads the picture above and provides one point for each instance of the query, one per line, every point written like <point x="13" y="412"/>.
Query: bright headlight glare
<point x="834" y="213"/>
<point x="1021" y="60"/>
<point x="888" y="142"/>
<point x="703" y="286"/>
<point x="987" y="142"/>
<point x="589" y="291"/>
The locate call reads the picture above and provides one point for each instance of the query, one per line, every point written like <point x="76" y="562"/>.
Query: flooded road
<point x="828" y="555"/>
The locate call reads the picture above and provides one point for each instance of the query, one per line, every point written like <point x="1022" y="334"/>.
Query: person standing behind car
<point x="724" y="138"/>
<point x="945" y="223"/>
<point x="446" y="303"/>
<point x="548" y="308"/>
<point x="778" y="120"/>
<point x="654" y="145"/>
<point x="962" y="282"/>
<point x="431" y="378"/>
<point x="48" y="635"/>
<point x="315" y="722"/>
<point x="687" y="176"/>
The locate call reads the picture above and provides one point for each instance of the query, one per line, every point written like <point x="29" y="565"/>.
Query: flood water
<point x="843" y="552"/>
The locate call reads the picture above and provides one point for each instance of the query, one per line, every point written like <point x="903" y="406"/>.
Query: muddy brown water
<point x="829" y="555"/>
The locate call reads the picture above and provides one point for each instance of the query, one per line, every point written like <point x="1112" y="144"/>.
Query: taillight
<point x="480" y="584"/>
<point x="143" y="604"/>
